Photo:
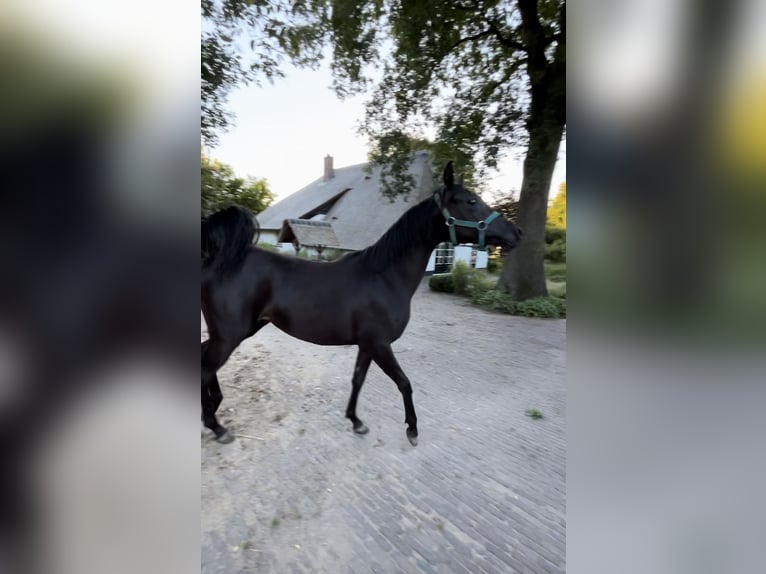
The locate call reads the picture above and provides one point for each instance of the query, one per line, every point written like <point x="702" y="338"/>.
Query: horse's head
<point x="469" y="219"/>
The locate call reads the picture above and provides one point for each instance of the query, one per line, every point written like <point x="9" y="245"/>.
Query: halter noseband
<point x="452" y="222"/>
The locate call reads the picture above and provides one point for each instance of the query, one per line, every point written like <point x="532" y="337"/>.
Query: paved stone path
<point x="484" y="491"/>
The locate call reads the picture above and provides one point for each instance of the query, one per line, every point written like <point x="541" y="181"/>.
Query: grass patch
<point x="534" y="413"/>
<point x="274" y="522"/>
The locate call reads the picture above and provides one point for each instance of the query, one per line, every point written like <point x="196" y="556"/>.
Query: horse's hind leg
<point x="363" y="360"/>
<point x="384" y="357"/>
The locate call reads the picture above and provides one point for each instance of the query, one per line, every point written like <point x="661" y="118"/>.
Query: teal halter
<point x="452" y="223"/>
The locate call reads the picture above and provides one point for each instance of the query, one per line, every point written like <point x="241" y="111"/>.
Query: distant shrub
<point x="556" y="251"/>
<point x="331" y="254"/>
<point x="466" y="281"/>
<point x="555" y="244"/>
<point x="461" y="277"/>
<point x="543" y="307"/>
<point x="556" y="271"/>
<point x="558" y="290"/>
<point x="553" y="234"/>
<point x="548" y="307"/>
<point x="495" y="300"/>
<point x="268" y="247"/>
<point x="442" y="283"/>
<point x="495" y="265"/>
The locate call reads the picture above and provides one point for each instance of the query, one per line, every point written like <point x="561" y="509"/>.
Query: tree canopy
<point x="221" y="188"/>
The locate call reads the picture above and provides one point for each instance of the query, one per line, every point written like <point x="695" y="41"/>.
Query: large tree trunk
<point x="523" y="272"/>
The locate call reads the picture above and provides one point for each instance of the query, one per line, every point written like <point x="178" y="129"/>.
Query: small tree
<point x="557" y="212"/>
<point x="221" y="188"/>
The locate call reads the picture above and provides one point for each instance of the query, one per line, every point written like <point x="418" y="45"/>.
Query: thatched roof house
<point x="344" y="205"/>
<point x="309" y="233"/>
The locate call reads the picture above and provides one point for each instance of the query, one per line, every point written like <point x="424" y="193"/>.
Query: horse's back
<point x="323" y="303"/>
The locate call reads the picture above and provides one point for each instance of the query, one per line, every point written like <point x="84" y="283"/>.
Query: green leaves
<point x="557" y="212"/>
<point x="221" y="188"/>
<point x="458" y="67"/>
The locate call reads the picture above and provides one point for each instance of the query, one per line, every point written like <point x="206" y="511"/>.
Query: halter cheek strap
<point x="451" y="222"/>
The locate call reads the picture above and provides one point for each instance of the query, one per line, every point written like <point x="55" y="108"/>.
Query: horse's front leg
<point x="384" y="357"/>
<point x="363" y="360"/>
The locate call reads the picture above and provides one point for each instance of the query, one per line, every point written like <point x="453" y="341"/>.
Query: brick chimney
<point x="329" y="171"/>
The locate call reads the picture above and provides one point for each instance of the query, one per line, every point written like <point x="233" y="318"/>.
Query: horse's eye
<point x="472" y="201"/>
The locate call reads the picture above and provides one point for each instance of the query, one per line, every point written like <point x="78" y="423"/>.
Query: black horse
<point x="361" y="299"/>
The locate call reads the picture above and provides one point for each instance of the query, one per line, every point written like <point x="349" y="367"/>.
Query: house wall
<point x="431" y="265"/>
<point x="464" y="253"/>
<point x="269" y="237"/>
<point x="482" y="258"/>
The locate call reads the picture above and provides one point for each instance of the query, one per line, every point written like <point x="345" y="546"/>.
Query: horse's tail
<point x="226" y="238"/>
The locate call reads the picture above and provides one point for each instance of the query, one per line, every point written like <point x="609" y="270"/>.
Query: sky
<point x="283" y="131"/>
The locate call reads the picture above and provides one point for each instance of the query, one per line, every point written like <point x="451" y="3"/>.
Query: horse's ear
<point x="449" y="176"/>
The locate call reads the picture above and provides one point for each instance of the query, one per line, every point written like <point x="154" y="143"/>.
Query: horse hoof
<point x="413" y="438"/>
<point x="225" y="438"/>
<point x="361" y="429"/>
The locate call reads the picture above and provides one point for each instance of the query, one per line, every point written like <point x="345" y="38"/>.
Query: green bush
<point x="495" y="300"/>
<point x="331" y="254"/>
<point x="464" y="280"/>
<point x="556" y="251"/>
<point x="461" y="277"/>
<point x="555" y="244"/>
<point x="549" y="307"/>
<point x="553" y="234"/>
<point x="468" y="281"/>
<point x="544" y="307"/>
<point x="442" y="283"/>
<point x="558" y="290"/>
<point x="555" y="271"/>
<point x="268" y="247"/>
<point x="495" y="265"/>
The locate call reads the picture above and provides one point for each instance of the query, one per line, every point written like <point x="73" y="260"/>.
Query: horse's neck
<point x="415" y="262"/>
<point x="404" y="249"/>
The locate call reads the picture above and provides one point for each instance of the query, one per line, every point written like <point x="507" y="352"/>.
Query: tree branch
<point x="492" y="31"/>
<point x="471" y="38"/>
<point x="507" y="42"/>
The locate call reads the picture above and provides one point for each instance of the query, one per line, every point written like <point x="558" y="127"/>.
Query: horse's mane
<point x="226" y="238"/>
<point x="412" y="228"/>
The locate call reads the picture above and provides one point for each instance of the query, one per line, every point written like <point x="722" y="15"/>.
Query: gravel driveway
<point x="484" y="491"/>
